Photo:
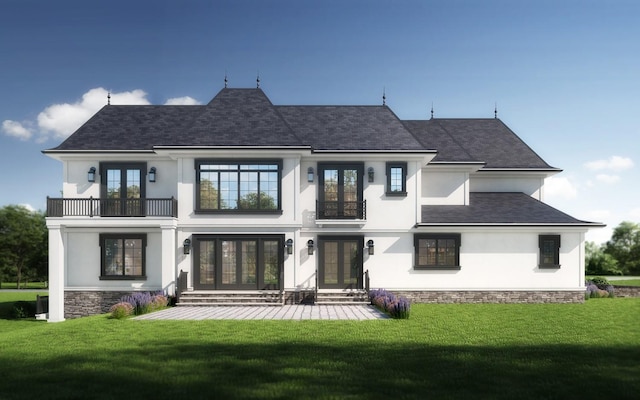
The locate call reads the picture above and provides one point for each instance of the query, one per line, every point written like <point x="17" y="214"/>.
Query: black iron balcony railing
<point x="341" y="209"/>
<point x="93" y="207"/>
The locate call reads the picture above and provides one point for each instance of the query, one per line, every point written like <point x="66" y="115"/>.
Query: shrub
<point x="598" y="288"/>
<point x="145" y="302"/>
<point x="600" y="282"/>
<point x="23" y="309"/>
<point x="121" y="310"/>
<point x="396" y="307"/>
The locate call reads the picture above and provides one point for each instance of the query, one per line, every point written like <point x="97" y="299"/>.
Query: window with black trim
<point x="437" y="251"/>
<point x="549" y="251"/>
<point x="232" y="186"/>
<point x="122" y="187"/>
<point x="396" y="178"/>
<point x="122" y="256"/>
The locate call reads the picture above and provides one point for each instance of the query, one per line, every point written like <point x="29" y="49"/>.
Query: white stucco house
<point x="285" y="204"/>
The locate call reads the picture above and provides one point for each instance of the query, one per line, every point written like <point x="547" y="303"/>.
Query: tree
<point x="597" y="262"/>
<point x="624" y="247"/>
<point x="23" y="241"/>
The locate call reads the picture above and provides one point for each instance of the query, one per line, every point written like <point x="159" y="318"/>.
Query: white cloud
<point x="182" y="101"/>
<point x="598" y="215"/>
<point x="16" y="129"/>
<point x="614" y="163"/>
<point x="599" y="235"/>
<point x="28" y="207"/>
<point x="635" y="213"/>
<point x="559" y="188"/>
<point x="609" y="179"/>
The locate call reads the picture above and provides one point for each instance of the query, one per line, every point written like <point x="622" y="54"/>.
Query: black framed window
<point x="123" y="256"/>
<point x="549" y="251"/>
<point x="232" y="186"/>
<point x="396" y="178"/>
<point x="437" y="251"/>
<point x="122" y="189"/>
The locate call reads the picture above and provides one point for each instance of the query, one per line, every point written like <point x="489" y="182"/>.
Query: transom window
<point x="123" y="256"/>
<point x="231" y="186"/>
<point x="549" y="251"/>
<point x="396" y="178"/>
<point x="438" y="251"/>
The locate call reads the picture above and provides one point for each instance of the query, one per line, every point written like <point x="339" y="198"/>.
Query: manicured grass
<point x="24" y="285"/>
<point x="626" y="282"/>
<point x="472" y="351"/>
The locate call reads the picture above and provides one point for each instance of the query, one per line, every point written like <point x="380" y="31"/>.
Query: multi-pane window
<point x="232" y="186"/>
<point x="122" y="189"/>
<point x="549" y="251"/>
<point x="437" y="250"/>
<point x="123" y="256"/>
<point x="397" y="178"/>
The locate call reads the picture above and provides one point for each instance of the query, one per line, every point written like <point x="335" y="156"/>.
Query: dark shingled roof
<point x="349" y="128"/>
<point x="478" y="139"/>
<point x="498" y="208"/>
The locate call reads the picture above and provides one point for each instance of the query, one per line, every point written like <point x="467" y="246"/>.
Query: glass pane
<point x="113" y="257"/>
<point x="330" y="262"/>
<point x="248" y="191"/>
<point x="396" y="179"/>
<point x="229" y="190"/>
<point x="350" y="262"/>
<point x="133" y="257"/>
<point x="113" y="183"/>
<point x="548" y="252"/>
<point x="447" y="252"/>
<point x="133" y="183"/>
<point x="271" y="249"/>
<point x="249" y="260"/>
<point x="209" y="190"/>
<point x="427" y="252"/>
<point x="207" y="262"/>
<point x="268" y="190"/>
<point x="228" y="262"/>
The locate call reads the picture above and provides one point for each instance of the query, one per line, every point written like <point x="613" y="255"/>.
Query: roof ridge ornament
<point x="432" y="110"/>
<point x="226" y="81"/>
<point x="109" y="98"/>
<point x="495" y="110"/>
<point x="258" y="81"/>
<point x="384" y="96"/>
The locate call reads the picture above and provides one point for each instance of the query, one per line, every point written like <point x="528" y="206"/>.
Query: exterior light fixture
<point x="310" y="174"/>
<point x="289" y="246"/>
<point x="186" y="246"/>
<point x="310" y="247"/>
<point x="370" y="246"/>
<point x="152" y="174"/>
<point x="370" y="174"/>
<point x="91" y="175"/>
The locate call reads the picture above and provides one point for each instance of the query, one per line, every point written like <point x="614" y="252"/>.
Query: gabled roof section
<point x="240" y="117"/>
<point x="344" y="128"/>
<point x="131" y="128"/>
<point x="504" y="208"/>
<point x="487" y="140"/>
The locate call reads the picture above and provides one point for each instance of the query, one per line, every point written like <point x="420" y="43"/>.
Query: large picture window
<point x="123" y="256"/>
<point x="437" y="251"/>
<point x="227" y="186"/>
<point x="549" y="251"/>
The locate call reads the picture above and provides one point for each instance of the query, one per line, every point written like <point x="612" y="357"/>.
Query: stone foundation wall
<point x="492" y="296"/>
<point x="626" y="291"/>
<point x="85" y="303"/>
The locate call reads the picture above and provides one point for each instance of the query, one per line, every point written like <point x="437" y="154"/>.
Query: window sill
<point x="396" y="194"/>
<point x="549" y="266"/>
<point x="438" y="267"/>
<point x="123" y="278"/>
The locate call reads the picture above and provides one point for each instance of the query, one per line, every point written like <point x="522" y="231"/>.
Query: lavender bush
<point x="598" y="288"/>
<point x="397" y="307"/>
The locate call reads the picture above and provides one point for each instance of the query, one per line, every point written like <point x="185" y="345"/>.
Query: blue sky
<point x="564" y="75"/>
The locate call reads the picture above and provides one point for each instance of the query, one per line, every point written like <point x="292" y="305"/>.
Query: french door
<point x="122" y="187"/>
<point x="238" y="262"/>
<point x="340" y="191"/>
<point x="340" y="262"/>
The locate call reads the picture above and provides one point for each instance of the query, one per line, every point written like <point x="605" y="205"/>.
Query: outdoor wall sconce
<point x="289" y="246"/>
<point x="91" y="175"/>
<point x="152" y="174"/>
<point x="310" y="174"/>
<point x="186" y="246"/>
<point x="370" y="246"/>
<point x="310" y="247"/>
<point x="370" y="174"/>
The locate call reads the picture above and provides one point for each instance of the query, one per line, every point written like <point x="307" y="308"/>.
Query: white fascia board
<point x="93" y="154"/>
<point x="577" y="226"/>
<point x="111" y="222"/>
<point x="514" y="172"/>
<point x="453" y="167"/>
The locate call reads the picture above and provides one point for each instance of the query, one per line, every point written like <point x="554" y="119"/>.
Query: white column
<point x="56" y="274"/>
<point x="169" y="272"/>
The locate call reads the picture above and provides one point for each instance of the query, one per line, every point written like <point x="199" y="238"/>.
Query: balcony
<point x="341" y="210"/>
<point x="93" y="207"/>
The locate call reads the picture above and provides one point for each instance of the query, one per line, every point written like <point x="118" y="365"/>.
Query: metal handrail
<point x="366" y="281"/>
<point x="341" y="209"/>
<point x="90" y="207"/>
<point x="181" y="284"/>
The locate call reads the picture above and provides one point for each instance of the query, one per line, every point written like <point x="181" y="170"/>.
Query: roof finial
<point x="432" y="110"/>
<point x="258" y="81"/>
<point x="226" y="81"/>
<point x="109" y="98"/>
<point x="384" y="96"/>
<point x="495" y="110"/>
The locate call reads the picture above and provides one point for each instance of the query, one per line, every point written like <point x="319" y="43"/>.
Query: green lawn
<point x="24" y="285"/>
<point x="626" y="282"/>
<point x="471" y="351"/>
